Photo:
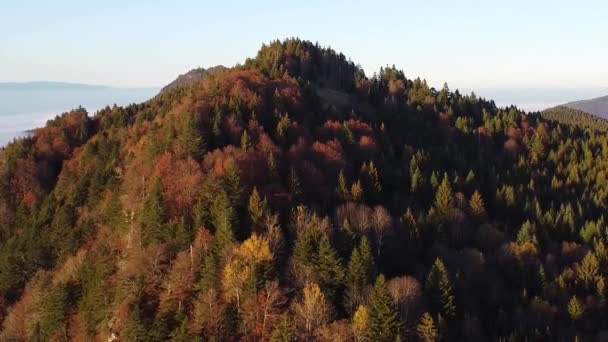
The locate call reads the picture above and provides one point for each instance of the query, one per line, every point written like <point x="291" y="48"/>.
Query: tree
<point x="53" y="312"/>
<point x="383" y="322"/>
<point x="356" y="191"/>
<point x="588" y="270"/>
<point x="360" y="324"/>
<point x="153" y="215"/>
<point x="440" y="290"/>
<point x="426" y="329"/>
<point x="257" y="209"/>
<point x="293" y="184"/>
<point x="357" y="275"/>
<point x="328" y="268"/>
<point x="576" y="310"/>
<point x="189" y="138"/>
<point x="312" y="310"/>
<point x="476" y="204"/>
<point x="381" y="221"/>
<point x="261" y="312"/>
<point x="342" y="189"/>
<point x="222" y="217"/>
<point x="444" y="198"/>
<point x="284" y="331"/>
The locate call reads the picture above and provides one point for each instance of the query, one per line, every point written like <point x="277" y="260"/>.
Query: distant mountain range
<point x="597" y="106"/>
<point x="48" y="85"/>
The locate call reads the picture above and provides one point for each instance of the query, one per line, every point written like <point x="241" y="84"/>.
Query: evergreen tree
<point x="440" y="290"/>
<point x="222" y="217"/>
<point x="342" y="190"/>
<point x="358" y="274"/>
<point x="257" y="209"/>
<point x="328" y="268"/>
<point x="153" y="215"/>
<point x="293" y="184"/>
<point x="135" y="330"/>
<point x="426" y="329"/>
<point x="284" y="331"/>
<point x="53" y="312"/>
<point x="444" y="198"/>
<point x="190" y="139"/>
<point x="576" y="310"/>
<point x="478" y="209"/>
<point x="384" y="325"/>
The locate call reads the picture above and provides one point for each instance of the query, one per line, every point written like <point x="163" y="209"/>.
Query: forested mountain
<point x="191" y="77"/>
<point x="576" y="117"/>
<point x="295" y="198"/>
<point x="597" y="106"/>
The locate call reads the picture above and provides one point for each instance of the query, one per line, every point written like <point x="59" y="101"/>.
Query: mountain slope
<point x="597" y="106"/>
<point x="294" y="198"/>
<point x="572" y="116"/>
<point x="191" y="77"/>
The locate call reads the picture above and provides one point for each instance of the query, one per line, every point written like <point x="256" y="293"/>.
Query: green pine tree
<point x="328" y="268"/>
<point x="384" y="325"/>
<point x="223" y="219"/>
<point x="153" y="215"/>
<point x="440" y="290"/>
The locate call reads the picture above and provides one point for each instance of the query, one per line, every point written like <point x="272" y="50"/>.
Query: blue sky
<point x="533" y="43"/>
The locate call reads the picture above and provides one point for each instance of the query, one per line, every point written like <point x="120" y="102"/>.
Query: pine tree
<point x="135" y="329"/>
<point x="588" y="270"/>
<point x="383" y="322"/>
<point x="342" y="189"/>
<point x="293" y="184"/>
<point x="245" y="141"/>
<point x="478" y="209"/>
<point x="222" y="218"/>
<point x="356" y="191"/>
<point x="358" y="275"/>
<point x="576" y="310"/>
<point x="328" y="268"/>
<point x="440" y="290"/>
<point x="257" y="209"/>
<point x="190" y="139"/>
<point x="444" y="198"/>
<point x="426" y="329"/>
<point x="284" y="330"/>
<point x="153" y="215"/>
<point x="53" y="312"/>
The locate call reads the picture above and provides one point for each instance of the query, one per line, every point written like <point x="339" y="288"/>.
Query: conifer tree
<point x="293" y="184"/>
<point x="444" y="198"/>
<point x="153" y="215"/>
<point x="190" y="139"/>
<point x="245" y="141"/>
<point x="576" y="310"/>
<point x="342" y="189"/>
<point x="383" y="322"/>
<point x="478" y="209"/>
<point x="328" y="268"/>
<point x="222" y="218"/>
<point x="53" y="312"/>
<point x="284" y="330"/>
<point x="440" y="290"/>
<point x="257" y="209"/>
<point x="356" y="191"/>
<point x="426" y="329"/>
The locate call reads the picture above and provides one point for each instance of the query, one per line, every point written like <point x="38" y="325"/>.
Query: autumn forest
<point x="294" y="198"/>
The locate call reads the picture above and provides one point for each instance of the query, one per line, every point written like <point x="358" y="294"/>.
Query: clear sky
<point x="132" y="43"/>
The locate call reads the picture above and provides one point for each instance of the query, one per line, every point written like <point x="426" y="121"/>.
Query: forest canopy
<point x="295" y="198"/>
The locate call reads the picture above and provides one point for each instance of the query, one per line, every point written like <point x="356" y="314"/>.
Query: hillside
<point x="295" y="198"/>
<point x="597" y="106"/>
<point x="572" y="116"/>
<point x="191" y="77"/>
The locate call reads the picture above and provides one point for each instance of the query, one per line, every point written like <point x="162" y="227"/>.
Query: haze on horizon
<point x="469" y="44"/>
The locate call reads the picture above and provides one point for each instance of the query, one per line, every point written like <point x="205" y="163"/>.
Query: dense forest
<point x="295" y="198"/>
